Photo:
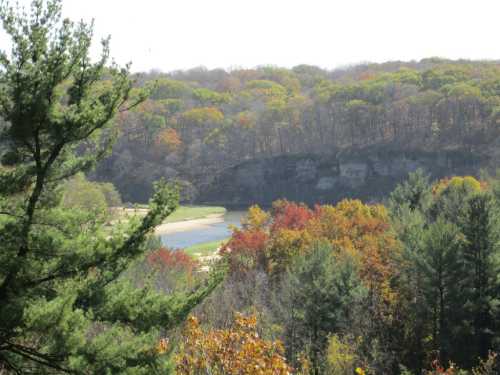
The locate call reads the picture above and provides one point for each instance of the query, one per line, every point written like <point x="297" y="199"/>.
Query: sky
<point x="169" y="35"/>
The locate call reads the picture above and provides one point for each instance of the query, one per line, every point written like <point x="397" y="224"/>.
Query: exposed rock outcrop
<point x="369" y="175"/>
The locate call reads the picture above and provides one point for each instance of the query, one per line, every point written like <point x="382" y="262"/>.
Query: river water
<point x="209" y="233"/>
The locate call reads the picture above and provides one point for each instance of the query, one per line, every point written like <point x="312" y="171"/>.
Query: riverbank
<point x="202" y="237"/>
<point x="188" y="225"/>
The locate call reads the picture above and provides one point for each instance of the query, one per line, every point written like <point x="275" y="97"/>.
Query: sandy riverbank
<point x="187" y="225"/>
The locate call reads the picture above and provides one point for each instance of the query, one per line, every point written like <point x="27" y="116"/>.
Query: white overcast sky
<point x="181" y="34"/>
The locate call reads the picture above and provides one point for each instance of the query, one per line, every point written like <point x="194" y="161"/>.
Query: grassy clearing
<point x="204" y="249"/>
<point x="181" y="214"/>
<point x="193" y="212"/>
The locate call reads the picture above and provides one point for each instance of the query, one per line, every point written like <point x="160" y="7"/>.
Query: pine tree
<point x="318" y="295"/>
<point x="480" y="225"/>
<point x="65" y="305"/>
<point x="415" y="193"/>
<point x="442" y="270"/>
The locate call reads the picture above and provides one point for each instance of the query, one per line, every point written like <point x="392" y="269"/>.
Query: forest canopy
<point x="200" y="122"/>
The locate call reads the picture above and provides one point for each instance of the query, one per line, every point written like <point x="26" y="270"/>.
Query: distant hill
<point x="203" y="126"/>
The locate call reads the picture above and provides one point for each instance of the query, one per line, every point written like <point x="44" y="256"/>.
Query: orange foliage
<point x="437" y="369"/>
<point x="235" y="351"/>
<point x="246" y="119"/>
<point x="290" y="215"/>
<point x="363" y="232"/>
<point x="162" y="346"/>
<point x="168" y="140"/>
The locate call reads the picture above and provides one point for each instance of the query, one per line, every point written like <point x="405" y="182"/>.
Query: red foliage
<point x="437" y="369"/>
<point x="246" y="249"/>
<point x="288" y="215"/>
<point x="166" y="259"/>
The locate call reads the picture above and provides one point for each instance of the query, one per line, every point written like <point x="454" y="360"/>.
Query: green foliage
<point x="452" y="253"/>
<point x="78" y="193"/>
<point x="319" y="293"/>
<point x="480" y="225"/>
<point x="209" y="97"/>
<point x="194" y="212"/>
<point x="451" y="195"/>
<point x="66" y="306"/>
<point x="112" y="196"/>
<point x="442" y="272"/>
<point x="169" y="89"/>
<point x="415" y="192"/>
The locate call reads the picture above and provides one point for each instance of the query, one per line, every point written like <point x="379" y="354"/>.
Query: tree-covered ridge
<point x="199" y="122"/>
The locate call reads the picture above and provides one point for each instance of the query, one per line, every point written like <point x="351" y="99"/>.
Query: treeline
<point x="407" y="288"/>
<point x="199" y="122"/>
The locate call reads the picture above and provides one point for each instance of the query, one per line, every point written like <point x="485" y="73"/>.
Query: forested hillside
<point x="199" y="124"/>
<point x="404" y="282"/>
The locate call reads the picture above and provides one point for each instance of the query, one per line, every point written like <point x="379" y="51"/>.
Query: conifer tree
<point x="65" y="305"/>
<point x="442" y="271"/>
<point x="319" y="295"/>
<point x="415" y="192"/>
<point x="480" y="225"/>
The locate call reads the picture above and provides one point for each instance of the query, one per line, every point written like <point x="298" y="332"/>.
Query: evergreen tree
<point x="415" y="192"/>
<point x="65" y="305"/>
<point x="480" y="225"/>
<point x="410" y="226"/>
<point x="442" y="271"/>
<point x="318" y="296"/>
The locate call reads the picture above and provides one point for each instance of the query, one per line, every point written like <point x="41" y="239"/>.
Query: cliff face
<point x="327" y="179"/>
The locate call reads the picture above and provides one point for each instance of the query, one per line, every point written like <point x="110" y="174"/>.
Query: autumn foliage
<point x="467" y="183"/>
<point x="289" y="215"/>
<point x="364" y="233"/>
<point x="246" y="250"/>
<point x="360" y="231"/>
<point x="168" y="140"/>
<point x="166" y="259"/>
<point x="235" y="351"/>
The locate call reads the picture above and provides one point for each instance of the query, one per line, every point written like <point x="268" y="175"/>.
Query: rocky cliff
<point x="369" y="175"/>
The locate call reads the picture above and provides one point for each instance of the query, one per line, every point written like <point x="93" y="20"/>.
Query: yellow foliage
<point x="235" y="351"/>
<point x="202" y="116"/>
<point x="285" y="244"/>
<point x="341" y="357"/>
<point x="362" y="232"/>
<point x="256" y="218"/>
<point x="468" y="183"/>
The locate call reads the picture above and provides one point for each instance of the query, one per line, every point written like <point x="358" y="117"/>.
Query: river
<point x="208" y="233"/>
